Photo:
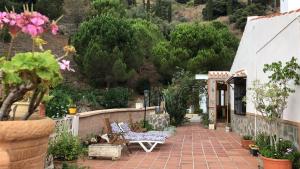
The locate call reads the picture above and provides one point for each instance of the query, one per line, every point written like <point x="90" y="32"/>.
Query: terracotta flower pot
<point x="246" y="143"/>
<point x="23" y="144"/>
<point x="270" y="163"/>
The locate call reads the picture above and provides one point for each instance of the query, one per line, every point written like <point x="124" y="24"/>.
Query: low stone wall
<point x="159" y="121"/>
<point x="93" y="122"/>
<point x="246" y="125"/>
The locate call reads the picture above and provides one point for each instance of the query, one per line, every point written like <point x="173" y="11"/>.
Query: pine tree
<point x="229" y="7"/>
<point x="209" y="6"/>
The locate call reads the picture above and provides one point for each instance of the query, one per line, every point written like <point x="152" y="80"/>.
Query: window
<point x="239" y="95"/>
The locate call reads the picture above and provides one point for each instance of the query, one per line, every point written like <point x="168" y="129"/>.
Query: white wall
<point x="289" y="5"/>
<point x="282" y="48"/>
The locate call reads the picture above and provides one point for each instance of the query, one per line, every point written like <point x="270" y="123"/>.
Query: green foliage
<point x="58" y="106"/>
<point x="65" y="146"/>
<point x="38" y="66"/>
<point x="205" y="119"/>
<point x="182" y="1"/>
<point x="229" y="7"/>
<point x="262" y="140"/>
<point x="196" y="47"/>
<point x="284" y="150"/>
<point x="4" y="35"/>
<point x="214" y="9"/>
<point x="247" y="137"/>
<point x="112" y="7"/>
<point x="271" y="98"/>
<point x="198" y="2"/>
<point x="60" y="100"/>
<point x="147" y="34"/>
<point x="163" y="9"/>
<point x="103" y="43"/>
<point x="141" y="85"/>
<point x="147" y="125"/>
<point x="115" y="98"/>
<point x="208" y="11"/>
<point x="179" y="96"/>
<point x="51" y="8"/>
<point x="239" y="17"/>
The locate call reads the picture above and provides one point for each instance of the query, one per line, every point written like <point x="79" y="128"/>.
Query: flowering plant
<point x="34" y="71"/>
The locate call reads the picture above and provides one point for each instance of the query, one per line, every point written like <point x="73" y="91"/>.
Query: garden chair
<point x="115" y="138"/>
<point x="147" y="141"/>
<point x="136" y="127"/>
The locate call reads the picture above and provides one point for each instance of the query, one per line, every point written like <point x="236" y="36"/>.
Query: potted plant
<point x="65" y="147"/>
<point x="20" y="73"/>
<point x="253" y="149"/>
<point x="72" y="107"/>
<point x="246" y="141"/>
<point x="271" y="99"/>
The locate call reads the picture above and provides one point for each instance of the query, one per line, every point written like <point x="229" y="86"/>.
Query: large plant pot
<point x="23" y="144"/>
<point x="245" y="143"/>
<point x="270" y="163"/>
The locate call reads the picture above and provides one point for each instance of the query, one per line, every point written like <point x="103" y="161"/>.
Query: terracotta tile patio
<point x="192" y="147"/>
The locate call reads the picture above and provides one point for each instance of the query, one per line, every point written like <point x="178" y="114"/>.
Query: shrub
<point x="205" y="119"/>
<point x="214" y="9"/>
<point x="65" y="146"/>
<point x="112" y="7"/>
<point x="247" y="137"/>
<point x="178" y="96"/>
<point x="284" y="150"/>
<point x="61" y="96"/>
<point x="115" y="98"/>
<point x="217" y="8"/>
<point x="239" y="17"/>
<point x="163" y="9"/>
<point x="51" y="8"/>
<point x="57" y="107"/>
<point x="147" y="125"/>
<point x="106" y="50"/>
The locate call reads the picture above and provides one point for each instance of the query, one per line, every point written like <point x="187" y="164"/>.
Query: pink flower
<point x="54" y="28"/>
<point x="37" y="21"/>
<point x="65" y="65"/>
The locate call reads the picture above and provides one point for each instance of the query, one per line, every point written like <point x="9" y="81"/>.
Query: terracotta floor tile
<point x="192" y="147"/>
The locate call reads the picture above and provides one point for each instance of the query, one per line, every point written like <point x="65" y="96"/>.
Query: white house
<point x="266" y="39"/>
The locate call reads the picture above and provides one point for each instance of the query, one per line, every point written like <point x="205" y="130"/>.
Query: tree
<point x="103" y="43"/>
<point x="148" y="35"/>
<point x="271" y="98"/>
<point x="112" y="7"/>
<point x="229" y="7"/>
<point x="209" y="10"/>
<point x="196" y="47"/>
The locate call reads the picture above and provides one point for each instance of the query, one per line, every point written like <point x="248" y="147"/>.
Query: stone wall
<point x="246" y="125"/>
<point x="93" y="122"/>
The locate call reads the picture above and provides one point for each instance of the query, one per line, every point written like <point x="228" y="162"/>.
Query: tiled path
<point x="192" y="147"/>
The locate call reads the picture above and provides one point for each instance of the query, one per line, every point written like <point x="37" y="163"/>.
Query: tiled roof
<point x="275" y="14"/>
<point x="218" y="74"/>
